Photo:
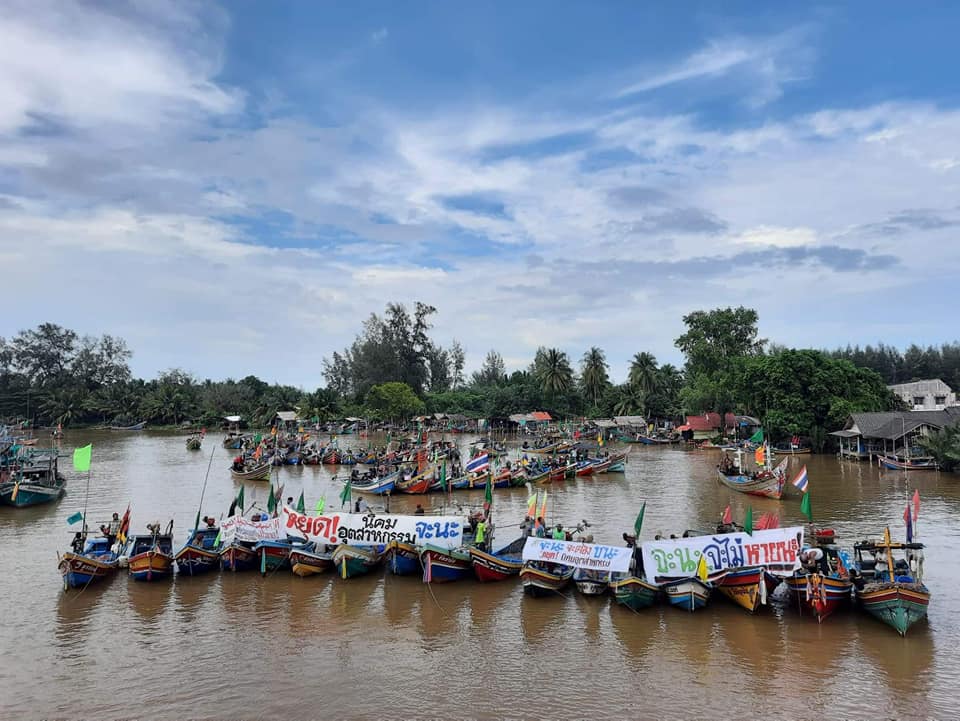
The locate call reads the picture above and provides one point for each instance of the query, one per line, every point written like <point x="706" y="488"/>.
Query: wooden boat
<point x="417" y="484"/>
<point x="499" y="565"/>
<point x="150" y="555"/>
<point x="403" y="559"/>
<point x="618" y="462"/>
<point x="238" y="556"/>
<point x="544" y="579"/>
<point x="376" y="487"/>
<point x="559" y="474"/>
<point x="96" y="563"/>
<point x="135" y="427"/>
<point x="540" y="477"/>
<point x="767" y="484"/>
<point x="330" y="457"/>
<point x="791" y="450"/>
<point x="442" y="565"/>
<point x="894" y="463"/>
<point x="634" y="592"/>
<point x="748" y="587"/>
<point x="194" y="442"/>
<point x="827" y="588"/>
<point x="584" y="468"/>
<point x="550" y="448"/>
<point x="690" y="594"/>
<point x="251" y="473"/>
<point x="273" y="554"/>
<point x="33" y="485"/>
<point x="601" y="465"/>
<point x="353" y="561"/>
<point x="200" y="554"/>
<point x="590" y="582"/>
<point x="892" y="592"/>
<point x="233" y="440"/>
<point x="307" y="560"/>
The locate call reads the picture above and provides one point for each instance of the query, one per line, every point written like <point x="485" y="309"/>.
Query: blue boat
<point x="95" y="563"/>
<point x="441" y="565"/>
<point x="403" y="559"/>
<point x="689" y="594"/>
<point x="201" y="553"/>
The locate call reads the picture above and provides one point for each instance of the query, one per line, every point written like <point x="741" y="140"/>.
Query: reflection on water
<point x="317" y="642"/>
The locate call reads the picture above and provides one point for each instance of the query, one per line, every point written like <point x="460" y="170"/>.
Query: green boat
<point x="353" y="561"/>
<point x="634" y="592"/>
<point x="890" y="589"/>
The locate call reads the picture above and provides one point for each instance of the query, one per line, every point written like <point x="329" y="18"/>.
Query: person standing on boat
<point x="480" y="537"/>
<point x="113" y="529"/>
<point x="558" y="533"/>
<point x="541" y="528"/>
<point x="527" y="526"/>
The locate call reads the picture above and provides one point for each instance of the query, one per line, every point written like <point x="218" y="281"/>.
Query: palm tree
<point x="643" y="371"/>
<point x="631" y="401"/>
<point x="553" y="371"/>
<point x="593" y="374"/>
<point x="944" y="446"/>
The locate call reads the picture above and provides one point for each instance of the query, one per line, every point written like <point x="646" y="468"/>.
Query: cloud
<point x="906" y="221"/>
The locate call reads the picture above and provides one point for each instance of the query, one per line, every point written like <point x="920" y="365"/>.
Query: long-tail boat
<point x="377" y="486"/>
<point x="895" y="463"/>
<point x="201" y="553"/>
<point x="768" y="483"/>
<point x="308" y="559"/>
<point x="259" y="472"/>
<point x="273" y="553"/>
<point x="748" y="587"/>
<point x="498" y="565"/>
<point x="823" y="586"/>
<point x="31" y="485"/>
<point x="96" y="562"/>
<point x="891" y="590"/>
<point x="590" y="582"/>
<point x="353" y="561"/>
<point x="443" y="565"/>
<point x="689" y="594"/>
<point x="403" y="559"/>
<point x="150" y="555"/>
<point x="634" y="592"/>
<point x="194" y="441"/>
<point x="544" y="579"/>
<point x="238" y="556"/>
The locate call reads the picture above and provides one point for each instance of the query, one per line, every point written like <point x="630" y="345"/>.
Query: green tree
<point x="593" y="374"/>
<point x="492" y="372"/>
<point x="630" y="401"/>
<point x="643" y="372"/>
<point x="552" y="371"/>
<point x="394" y="401"/>
<point x="944" y="446"/>
<point x="715" y="337"/>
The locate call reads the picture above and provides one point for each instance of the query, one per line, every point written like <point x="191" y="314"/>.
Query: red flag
<point x="916" y="504"/>
<point x="727" y="516"/>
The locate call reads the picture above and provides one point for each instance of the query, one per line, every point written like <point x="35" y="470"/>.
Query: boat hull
<point x="272" y="555"/>
<point x="767" y="487"/>
<point x="351" y="561"/>
<point x="238" y="558"/>
<point x="634" y="593"/>
<point x="308" y="563"/>
<point x="690" y="594"/>
<point x="193" y="561"/>
<point x="899" y="605"/>
<point x="403" y="559"/>
<point x="442" y="566"/>
<point x="489" y="567"/>
<point x="260" y="473"/>
<point x="746" y="587"/>
<point x="150" y="566"/>
<point x="79" y="571"/>
<point x="30" y="494"/>
<point x="818" y="595"/>
<point x="540" y="582"/>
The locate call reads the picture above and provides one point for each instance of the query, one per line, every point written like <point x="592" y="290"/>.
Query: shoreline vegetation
<point x="50" y="375"/>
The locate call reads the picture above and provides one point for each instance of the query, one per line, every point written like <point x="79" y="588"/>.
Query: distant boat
<point x="135" y="427"/>
<point x="194" y="442"/>
<point x="894" y="463"/>
<point x="33" y="484"/>
<point x="255" y="473"/>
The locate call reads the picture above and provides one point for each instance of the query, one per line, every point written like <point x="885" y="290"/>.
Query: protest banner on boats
<point x="592" y="556"/>
<point x="368" y="529"/>
<point x="776" y="549"/>
<point x="244" y="529"/>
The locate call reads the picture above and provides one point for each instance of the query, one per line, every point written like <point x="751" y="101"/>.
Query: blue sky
<point x="233" y="188"/>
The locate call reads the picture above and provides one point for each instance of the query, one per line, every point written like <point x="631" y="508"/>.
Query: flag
<point x="805" y="507"/>
<point x="801" y="480"/>
<point x="321" y="504"/>
<point x="257" y="438"/>
<point x="271" y="501"/>
<point x="345" y="493"/>
<point x="81" y="458"/>
<point x="916" y="504"/>
<point x="543" y="507"/>
<point x="758" y="455"/>
<point x="75" y="518"/>
<point x="600" y="438"/>
<point x="480" y="463"/>
<point x="748" y="521"/>
<point x="443" y="477"/>
<point x="16" y="490"/>
<point x="727" y="516"/>
<point x="532" y="505"/>
<point x="301" y="507"/>
<point x="757" y="437"/>
<point x="488" y="491"/>
<point x="638" y="523"/>
<point x="908" y="519"/>
<point x="124" y="526"/>
<point x="240" y="500"/>
<point x="702" y="571"/>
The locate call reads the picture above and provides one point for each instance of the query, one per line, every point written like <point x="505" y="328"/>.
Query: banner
<point x="367" y="529"/>
<point x="579" y="555"/>
<point x="243" y="529"/>
<point x="776" y="549"/>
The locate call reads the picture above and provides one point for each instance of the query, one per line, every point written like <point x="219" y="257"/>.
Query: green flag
<point x="488" y="491"/>
<point x="345" y="493"/>
<point x="301" y="507"/>
<point x="443" y="477"/>
<point x="805" y="507"/>
<point x="321" y="504"/>
<point x="757" y="437"/>
<point x="256" y="439"/>
<point x="240" y="499"/>
<point x="271" y="501"/>
<point x="75" y="518"/>
<point x="81" y="458"/>
<point x="748" y="521"/>
<point x="638" y="524"/>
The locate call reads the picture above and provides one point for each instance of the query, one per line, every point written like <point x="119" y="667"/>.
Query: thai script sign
<point x="776" y="549"/>
<point x="243" y="529"/>
<point x="579" y="555"/>
<point x="368" y="529"/>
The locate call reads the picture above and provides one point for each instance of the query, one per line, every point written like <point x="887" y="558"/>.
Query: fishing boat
<point x="792" y="450"/>
<point x="768" y="482"/>
<point x="273" y="553"/>
<point x="251" y="473"/>
<point x="618" y="462"/>
<point x="443" y="565"/>
<point x="601" y="465"/>
<point x="135" y="427"/>
<point x="150" y="555"/>
<point x="549" y="448"/>
<point x="353" y="561"/>
<point x="417" y="484"/>
<point x="689" y="594"/>
<point x="544" y="579"/>
<point x="498" y="565"/>
<point x="309" y="559"/>
<point x="590" y="582"/>
<point x="96" y="562"/>
<point x="194" y="442"/>
<point x="32" y="485"/>
<point x="633" y="592"/>
<point x="201" y="552"/>
<point x="377" y="486"/>
<point x="403" y="559"/>
<point x="917" y="463"/>
<point x="748" y="587"/>
<point x="823" y="585"/>
<point x="238" y="556"/>
<point x="584" y="468"/>
<point x="889" y="589"/>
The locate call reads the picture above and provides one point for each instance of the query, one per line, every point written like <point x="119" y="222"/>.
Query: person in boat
<point x="238" y="464"/>
<point x="541" y="528"/>
<point x="77" y="543"/>
<point x="558" y="533"/>
<point x="290" y="501"/>
<point x="814" y="560"/>
<point x="480" y="535"/>
<point x="210" y="521"/>
<point x="354" y="474"/>
<point x="356" y="506"/>
<point x="636" y="561"/>
<point x="419" y="511"/>
<point x="526" y="527"/>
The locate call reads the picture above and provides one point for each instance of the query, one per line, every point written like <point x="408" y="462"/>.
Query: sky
<point x="233" y="188"/>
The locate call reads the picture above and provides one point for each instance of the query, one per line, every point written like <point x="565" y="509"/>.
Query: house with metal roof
<point x="866" y="435"/>
<point x="929" y="395"/>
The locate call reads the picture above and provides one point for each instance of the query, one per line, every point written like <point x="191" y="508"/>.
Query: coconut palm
<point x="643" y="372"/>
<point x="944" y="446"/>
<point x="631" y="400"/>
<point x="553" y="371"/>
<point x="593" y="374"/>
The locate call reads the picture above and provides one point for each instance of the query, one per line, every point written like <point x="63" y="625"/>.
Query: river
<point x="246" y="646"/>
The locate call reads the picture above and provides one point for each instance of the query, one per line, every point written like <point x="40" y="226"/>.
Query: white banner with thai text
<point x="243" y="529"/>
<point x="579" y="555"/>
<point x="776" y="549"/>
<point x="368" y="529"/>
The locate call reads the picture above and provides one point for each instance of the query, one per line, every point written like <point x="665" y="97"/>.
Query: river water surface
<point x="244" y="646"/>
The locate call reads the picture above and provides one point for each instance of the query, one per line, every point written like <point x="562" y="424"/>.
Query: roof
<point x="891" y="425"/>
<point x="541" y="416"/>
<point x="232" y="419"/>
<point x="535" y="417"/>
<point x="604" y="423"/>
<point x="710" y="421"/>
<point x="630" y="420"/>
<point x="287" y="416"/>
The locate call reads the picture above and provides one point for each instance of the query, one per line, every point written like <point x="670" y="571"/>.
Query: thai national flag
<point x="480" y="463"/>
<point x="801" y="480"/>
